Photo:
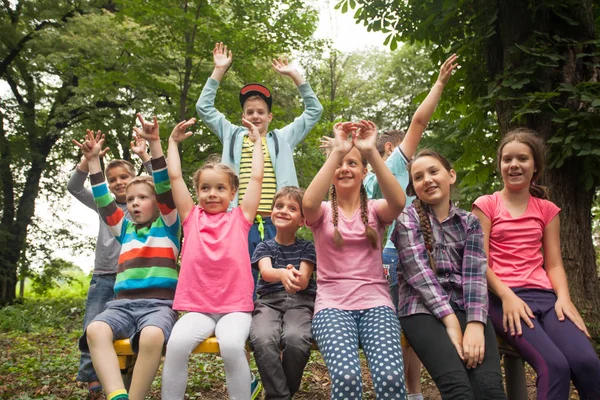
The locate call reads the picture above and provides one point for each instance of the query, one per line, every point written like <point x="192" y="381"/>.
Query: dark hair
<point x="536" y="144"/>
<point x="395" y="137"/>
<point x="294" y="192"/>
<point x="233" y="178"/>
<point x="420" y="206"/>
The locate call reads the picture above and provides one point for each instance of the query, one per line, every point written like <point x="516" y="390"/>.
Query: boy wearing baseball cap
<point x="278" y="144"/>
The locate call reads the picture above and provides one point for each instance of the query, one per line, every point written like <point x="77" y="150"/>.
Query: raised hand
<point x="149" y="130"/>
<point x="222" y="58"/>
<point x="326" y="144"/>
<point x="92" y="146"/>
<point x="282" y="66"/>
<point x="446" y="69"/>
<point x="341" y="132"/>
<point x="179" y="133"/>
<point x="253" y="133"/>
<point x="139" y="146"/>
<point x="365" y="137"/>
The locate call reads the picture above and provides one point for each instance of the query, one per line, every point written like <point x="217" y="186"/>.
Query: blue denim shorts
<point x="128" y="317"/>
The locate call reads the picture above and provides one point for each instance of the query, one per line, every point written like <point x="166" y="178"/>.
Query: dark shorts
<point x="127" y="318"/>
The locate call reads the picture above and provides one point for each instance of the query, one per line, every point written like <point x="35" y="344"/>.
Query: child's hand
<point x="474" y="344"/>
<point x="282" y="66"/>
<point x="513" y="310"/>
<point x="179" y="133"/>
<point x="326" y="144"/>
<point x="454" y="333"/>
<point x="149" y="130"/>
<point x="446" y="69"/>
<point x="290" y="280"/>
<point x="366" y="136"/>
<point x="566" y="308"/>
<point x="139" y="146"/>
<point x="221" y="57"/>
<point x="92" y="146"/>
<point x="341" y="132"/>
<point x="253" y="133"/>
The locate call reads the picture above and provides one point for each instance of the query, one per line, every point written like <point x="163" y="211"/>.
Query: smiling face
<point x="118" y="177"/>
<point x="287" y="213"/>
<point x="517" y="165"/>
<point x="257" y="112"/>
<point x="141" y="203"/>
<point x="215" y="191"/>
<point x="431" y="180"/>
<point x="350" y="173"/>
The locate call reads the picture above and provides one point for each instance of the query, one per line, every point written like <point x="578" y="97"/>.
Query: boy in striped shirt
<point x="147" y="270"/>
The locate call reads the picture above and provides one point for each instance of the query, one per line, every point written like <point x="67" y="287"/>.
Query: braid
<point x="426" y="228"/>
<point x="370" y="233"/>
<point x="338" y="240"/>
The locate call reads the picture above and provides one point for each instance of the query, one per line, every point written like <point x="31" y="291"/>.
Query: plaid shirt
<point x="460" y="265"/>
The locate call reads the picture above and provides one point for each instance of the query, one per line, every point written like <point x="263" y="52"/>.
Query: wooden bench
<point x="514" y="369"/>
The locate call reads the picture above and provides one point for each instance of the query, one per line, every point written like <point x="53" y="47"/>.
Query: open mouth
<point x="430" y="189"/>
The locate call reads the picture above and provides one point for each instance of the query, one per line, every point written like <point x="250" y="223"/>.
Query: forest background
<point x="70" y="65"/>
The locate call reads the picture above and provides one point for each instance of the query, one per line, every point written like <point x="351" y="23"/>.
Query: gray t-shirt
<point x="107" y="247"/>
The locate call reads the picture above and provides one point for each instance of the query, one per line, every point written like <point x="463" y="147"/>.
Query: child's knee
<point x="151" y="338"/>
<point x="232" y="347"/>
<point x="297" y="338"/>
<point x="261" y="335"/>
<point x="98" y="331"/>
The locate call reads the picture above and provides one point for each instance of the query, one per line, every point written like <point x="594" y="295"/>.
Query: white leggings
<point x="192" y="329"/>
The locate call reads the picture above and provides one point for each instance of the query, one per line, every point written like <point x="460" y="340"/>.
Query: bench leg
<point x="126" y="363"/>
<point x="516" y="384"/>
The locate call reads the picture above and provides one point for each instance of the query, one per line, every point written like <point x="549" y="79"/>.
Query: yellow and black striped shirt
<point x="269" y="186"/>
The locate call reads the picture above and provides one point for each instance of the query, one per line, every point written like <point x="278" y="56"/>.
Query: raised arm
<point x="295" y="132"/>
<point x="222" y="59"/>
<point x="162" y="184"/>
<point x="393" y="196"/>
<point x="112" y="215"/>
<point x="251" y="199"/>
<point x="316" y="191"/>
<point x="76" y="182"/>
<point x="181" y="194"/>
<point x="425" y="111"/>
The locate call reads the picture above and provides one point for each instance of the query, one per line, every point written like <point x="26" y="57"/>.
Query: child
<point x="280" y="330"/>
<point x="147" y="271"/>
<point x="442" y="288"/>
<point x="353" y="304"/>
<point x="119" y="173"/>
<point x="526" y="283"/>
<point x="216" y="282"/>
<point x="278" y="144"/>
<point x="397" y="148"/>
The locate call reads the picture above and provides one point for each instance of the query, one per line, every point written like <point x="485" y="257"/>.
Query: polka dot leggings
<point x="338" y="334"/>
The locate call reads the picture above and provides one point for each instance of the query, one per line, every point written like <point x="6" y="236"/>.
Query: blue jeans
<point x="390" y="268"/>
<point x="254" y="239"/>
<point x="101" y="291"/>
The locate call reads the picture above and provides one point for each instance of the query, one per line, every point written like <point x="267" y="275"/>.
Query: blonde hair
<point x="220" y="167"/>
<point x="142" y="180"/>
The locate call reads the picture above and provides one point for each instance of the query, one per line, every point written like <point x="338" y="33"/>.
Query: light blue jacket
<point x="280" y="142"/>
<point x="397" y="163"/>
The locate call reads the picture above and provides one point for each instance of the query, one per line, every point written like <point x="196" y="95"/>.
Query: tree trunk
<point x="566" y="188"/>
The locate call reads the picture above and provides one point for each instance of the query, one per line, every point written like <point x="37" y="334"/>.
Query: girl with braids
<point x="353" y="304"/>
<point x="442" y="285"/>
<point x="526" y="277"/>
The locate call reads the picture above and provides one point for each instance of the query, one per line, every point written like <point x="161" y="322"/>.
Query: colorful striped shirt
<point x="460" y="265"/>
<point x="147" y="265"/>
<point x="269" y="185"/>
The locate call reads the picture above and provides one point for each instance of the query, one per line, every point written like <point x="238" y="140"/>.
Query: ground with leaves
<point x="39" y="359"/>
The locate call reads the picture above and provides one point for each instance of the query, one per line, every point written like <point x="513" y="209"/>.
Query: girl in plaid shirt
<point x="442" y="286"/>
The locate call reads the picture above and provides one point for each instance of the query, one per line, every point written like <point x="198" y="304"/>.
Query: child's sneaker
<point x="96" y="393"/>
<point x="255" y="388"/>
